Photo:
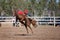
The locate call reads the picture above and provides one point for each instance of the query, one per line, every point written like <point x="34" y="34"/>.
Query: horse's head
<point x="34" y="23"/>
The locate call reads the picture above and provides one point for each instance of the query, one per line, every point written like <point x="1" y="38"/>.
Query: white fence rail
<point x="40" y="20"/>
<point x="7" y="19"/>
<point x="47" y="20"/>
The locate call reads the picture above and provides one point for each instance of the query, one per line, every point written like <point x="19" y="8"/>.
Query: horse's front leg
<point x="28" y="24"/>
<point x="30" y="29"/>
<point x="27" y="29"/>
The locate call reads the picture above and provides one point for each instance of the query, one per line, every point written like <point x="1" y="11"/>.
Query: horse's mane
<point x="30" y="19"/>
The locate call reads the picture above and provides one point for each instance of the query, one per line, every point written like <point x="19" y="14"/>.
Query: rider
<point x="26" y="12"/>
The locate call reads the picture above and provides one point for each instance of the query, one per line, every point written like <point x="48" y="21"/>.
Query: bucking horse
<point x="26" y="21"/>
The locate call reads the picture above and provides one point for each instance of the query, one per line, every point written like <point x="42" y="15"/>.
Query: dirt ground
<point x="42" y="32"/>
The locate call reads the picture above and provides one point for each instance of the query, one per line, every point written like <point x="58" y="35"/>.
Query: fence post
<point x="54" y="21"/>
<point x="54" y="17"/>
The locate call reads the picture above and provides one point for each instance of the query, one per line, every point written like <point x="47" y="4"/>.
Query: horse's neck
<point x="28" y="20"/>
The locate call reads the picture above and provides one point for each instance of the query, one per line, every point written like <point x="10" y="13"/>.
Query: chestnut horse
<point x="27" y="22"/>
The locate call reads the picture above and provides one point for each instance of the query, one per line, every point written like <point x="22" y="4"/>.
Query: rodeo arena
<point x="48" y="28"/>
